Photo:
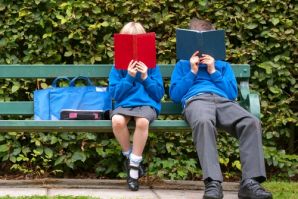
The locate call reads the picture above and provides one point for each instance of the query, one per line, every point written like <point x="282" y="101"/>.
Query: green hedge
<point x="261" y="33"/>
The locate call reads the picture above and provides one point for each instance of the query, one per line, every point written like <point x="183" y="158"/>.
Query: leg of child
<point x="140" y="135"/>
<point x="139" y="141"/>
<point x="121" y="132"/>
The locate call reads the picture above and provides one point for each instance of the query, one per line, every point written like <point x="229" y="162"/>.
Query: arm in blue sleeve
<point x="180" y="82"/>
<point x="154" y="85"/>
<point x="119" y="86"/>
<point x="226" y="81"/>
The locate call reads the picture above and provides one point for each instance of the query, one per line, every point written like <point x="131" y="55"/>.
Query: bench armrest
<point x="254" y="104"/>
<point x="244" y="90"/>
<point x="250" y="101"/>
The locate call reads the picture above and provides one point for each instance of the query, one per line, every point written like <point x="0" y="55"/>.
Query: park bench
<point x="246" y="99"/>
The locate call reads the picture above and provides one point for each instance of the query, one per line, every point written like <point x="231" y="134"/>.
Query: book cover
<point x="139" y="47"/>
<point x="206" y="42"/>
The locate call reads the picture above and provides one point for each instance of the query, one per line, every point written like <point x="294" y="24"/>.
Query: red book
<point x="140" y="47"/>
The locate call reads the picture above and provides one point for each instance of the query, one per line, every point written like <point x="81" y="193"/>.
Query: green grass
<point x="282" y="190"/>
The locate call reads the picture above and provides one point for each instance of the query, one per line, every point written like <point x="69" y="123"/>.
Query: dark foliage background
<point x="261" y="33"/>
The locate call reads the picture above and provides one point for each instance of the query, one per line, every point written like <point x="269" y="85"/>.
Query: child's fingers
<point x="135" y="63"/>
<point x="142" y="65"/>
<point x="195" y="54"/>
<point x="205" y="56"/>
<point x="140" y="68"/>
<point x="130" y="63"/>
<point x="195" y="59"/>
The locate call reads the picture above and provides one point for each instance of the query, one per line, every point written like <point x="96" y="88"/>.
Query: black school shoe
<point x="133" y="184"/>
<point x="251" y="189"/>
<point x="142" y="170"/>
<point x="213" y="190"/>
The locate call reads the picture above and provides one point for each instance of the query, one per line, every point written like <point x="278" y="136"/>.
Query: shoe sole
<point x="207" y="197"/>
<point x="247" y="197"/>
<point x="133" y="189"/>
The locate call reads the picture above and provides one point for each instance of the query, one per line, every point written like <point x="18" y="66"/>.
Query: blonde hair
<point x="132" y="28"/>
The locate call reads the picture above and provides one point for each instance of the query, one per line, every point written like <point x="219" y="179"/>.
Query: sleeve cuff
<point x="146" y="82"/>
<point x="129" y="78"/>
<point x="190" y="76"/>
<point x="216" y="76"/>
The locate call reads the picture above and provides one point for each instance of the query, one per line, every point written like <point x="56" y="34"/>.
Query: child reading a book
<point x="207" y="89"/>
<point x="137" y="92"/>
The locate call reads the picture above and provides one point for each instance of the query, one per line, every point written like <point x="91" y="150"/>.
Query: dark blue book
<point x="206" y="42"/>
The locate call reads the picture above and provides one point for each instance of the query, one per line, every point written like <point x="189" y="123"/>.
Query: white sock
<point x="135" y="162"/>
<point x="127" y="153"/>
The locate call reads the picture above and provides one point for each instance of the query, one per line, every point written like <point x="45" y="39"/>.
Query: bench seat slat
<point x="83" y="125"/>
<point x="26" y="108"/>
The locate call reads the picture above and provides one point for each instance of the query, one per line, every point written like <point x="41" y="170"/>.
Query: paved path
<point x="111" y="193"/>
<point x="109" y="189"/>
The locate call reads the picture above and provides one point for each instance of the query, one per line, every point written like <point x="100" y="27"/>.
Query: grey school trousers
<point x="207" y="112"/>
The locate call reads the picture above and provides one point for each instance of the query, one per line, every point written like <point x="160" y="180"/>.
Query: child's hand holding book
<point x="209" y="61"/>
<point x="137" y="66"/>
<point x="142" y="68"/>
<point x="194" y="62"/>
<point x="204" y="59"/>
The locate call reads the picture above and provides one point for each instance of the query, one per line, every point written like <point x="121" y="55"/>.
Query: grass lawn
<point x="280" y="190"/>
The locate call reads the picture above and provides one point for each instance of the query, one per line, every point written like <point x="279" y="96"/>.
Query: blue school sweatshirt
<point x="128" y="91"/>
<point x="184" y="84"/>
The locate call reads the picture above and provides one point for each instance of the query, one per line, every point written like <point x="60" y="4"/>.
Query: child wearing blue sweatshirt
<point x="137" y="93"/>
<point x="207" y="89"/>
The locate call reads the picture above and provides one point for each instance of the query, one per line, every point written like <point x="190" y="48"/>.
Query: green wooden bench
<point x="25" y="108"/>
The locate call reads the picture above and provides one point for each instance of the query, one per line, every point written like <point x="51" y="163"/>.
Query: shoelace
<point x="210" y="187"/>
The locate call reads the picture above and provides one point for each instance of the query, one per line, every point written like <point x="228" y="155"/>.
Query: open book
<point x="140" y="47"/>
<point x="206" y="42"/>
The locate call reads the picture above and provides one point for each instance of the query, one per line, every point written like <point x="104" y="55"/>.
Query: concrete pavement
<point x="111" y="194"/>
<point x="110" y="189"/>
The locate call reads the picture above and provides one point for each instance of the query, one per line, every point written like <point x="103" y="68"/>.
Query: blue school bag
<point x="84" y="98"/>
<point x="41" y="99"/>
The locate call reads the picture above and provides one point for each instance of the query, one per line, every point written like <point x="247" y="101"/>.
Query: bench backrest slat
<point x="16" y="108"/>
<point x="88" y="70"/>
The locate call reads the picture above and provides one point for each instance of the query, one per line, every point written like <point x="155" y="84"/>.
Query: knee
<point x="142" y="123"/>
<point x="118" y="121"/>
<point x="203" y="127"/>
<point x="252" y="123"/>
<point x="250" y="126"/>
<point x="204" y="123"/>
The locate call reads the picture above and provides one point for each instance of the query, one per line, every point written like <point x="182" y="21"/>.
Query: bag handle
<point x="54" y="83"/>
<point x="87" y="80"/>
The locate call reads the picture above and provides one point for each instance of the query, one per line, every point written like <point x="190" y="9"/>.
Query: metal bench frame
<point x="246" y="99"/>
